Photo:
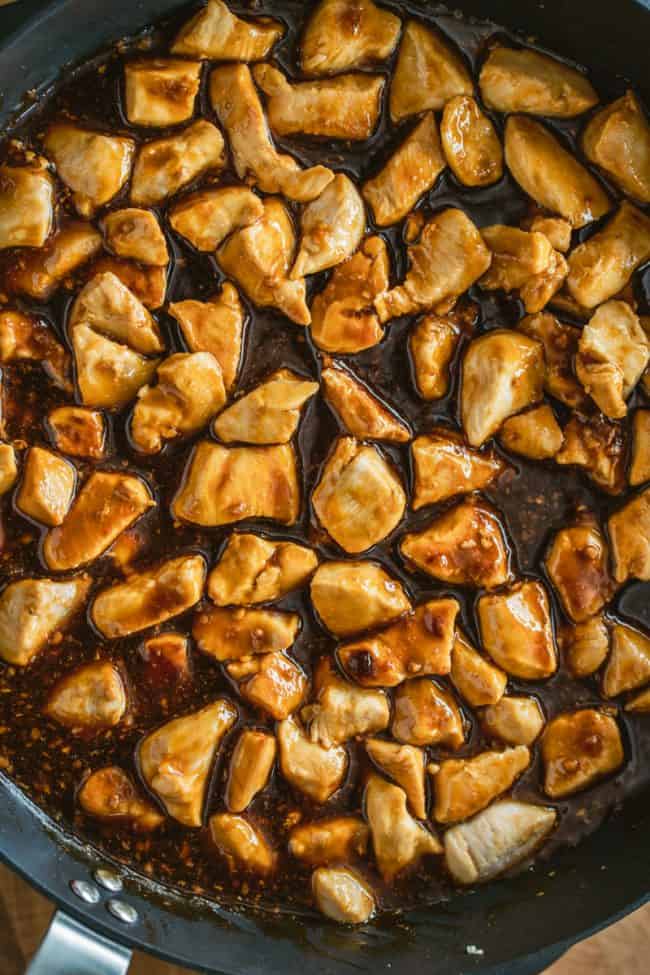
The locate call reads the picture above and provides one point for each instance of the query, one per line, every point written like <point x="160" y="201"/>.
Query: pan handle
<point x="70" y="948"/>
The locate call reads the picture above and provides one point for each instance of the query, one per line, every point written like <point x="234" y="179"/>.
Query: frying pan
<point x="515" y="927"/>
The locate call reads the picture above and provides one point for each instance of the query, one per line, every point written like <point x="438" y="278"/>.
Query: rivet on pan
<point x="123" y="912"/>
<point x="108" y="879"/>
<point x="85" y="891"/>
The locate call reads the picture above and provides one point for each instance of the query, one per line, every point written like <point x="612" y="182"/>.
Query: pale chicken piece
<point x="160" y="91"/>
<point x="617" y="140"/>
<point x="331" y="228"/>
<point x="419" y="643"/>
<point x="516" y="630"/>
<point x="585" y="646"/>
<point x="32" y="611"/>
<point x="432" y="344"/>
<point x="107" y="305"/>
<point x="77" y="431"/>
<point x="272" y="682"/>
<point x="628" y="667"/>
<point x="343" y="34"/>
<point x="517" y="255"/>
<point x="342" y="896"/>
<point x="470" y="142"/>
<point x="107" y="504"/>
<point x="410" y="172"/>
<point x="522" y="80"/>
<point x="164" y="166"/>
<point x="27" y="337"/>
<point x="310" y="768"/>
<point x="399" y="841"/>
<point x="361" y="413"/>
<point x="40" y="273"/>
<point x="188" y="392"/>
<point x="237" y="104"/>
<point x="556" y="229"/>
<point x="259" y="257"/>
<point x="424" y="713"/>
<point x="502" y="374"/>
<point x="250" y="768"/>
<point x="640" y="703"/>
<point x="26" y="206"/>
<point x="253" y="569"/>
<point x="95" y="166"/>
<point x="640" y="465"/>
<point x="8" y="468"/>
<point x="550" y="174"/>
<point x="47" y="487"/>
<point x="465" y="546"/>
<point x="341" y="710"/>
<point x="359" y="498"/>
<point x="541" y="288"/>
<point x="216" y="33"/>
<point x="235" y="634"/>
<point x="334" y="840"/>
<point x="346" y="107"/>
<point x="149" y="597"/>
<point x="448" y="258"/>
<point x="463" y="787"/>
<point x="578" y="749"/>
<point x="91" y="697"/>
<point x="477" y="680"/>
<point x="351" y="597"/>
<point x="598" y="446"/>
<point x="207" y="217"/>
<point x="176" y="759"/>
<point x="560" y="342"/>
<point x="613" y="353"/>
<point x="222" y="485"/>
<point x="215" y="326"/>
<point x="135" y="234"/>
<point x="629" y="536"/>
<point x="516" y="720"/>
<point x="242" y="844"/>
<point x="148" y="282"/>
<point x="535" y="434"/>
<point x="500" y="837"/>
<point x="577" y="564"/>
<point x="110" y="795"/>
<point x="429" y="72"/>
<point x="404" y="764"/>
<point x="270" y="413"/>
<point x="445" y="466"/>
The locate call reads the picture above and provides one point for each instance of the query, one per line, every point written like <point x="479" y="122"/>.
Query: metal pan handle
<point x="70" y="948"/>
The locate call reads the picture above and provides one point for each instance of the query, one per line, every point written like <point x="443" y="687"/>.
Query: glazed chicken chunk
<point x="164" y="166"/>
<point x="270" y="413"/>
<point x="109" y="794"/>
<point x="521" y="80"/>
<point x="90" y="697"/>
<point x="465" y="786"/>
<point x="515" y="720"/>
<point x="343" y="34"/>
<point x="135" y="234"/>
<point x="108" y="306"/>
<point x="477" y="680"/>
<point x="272" y="682"/>
<point x="404" y="764"/>
<point x="613" y="353"/>
<point x="424" y="713"/>
<point x="628" y="667"/>
<point x="398" y="840"/>
<point x="596" y="445"/>
<point x="250" y="768"/>
<point x="617" y="140"/>
<point x="517" y="256"/>
<point x="341" y="710"/>
<point x="629" y="535"/>
<point x="342" y="896"/>
<point x="236" y="634"/>
<point x="432" y="344"/>
<point x="640" y="465"/>
<point x="148" y="282"/>
<point x="32" y="611"/>
<point x="207" y="217"/>
<point x="470" y="142"/>
<point x="216" y="33"/>
<point x="26" y="206"/>
<point x="160" y="91"/>
<point x="444" y="467"/>
<point x="351" y="597"/>
<point x="535" y="434"/>
<point x="440" y="72"/>
<point x="516" y="630"/>
<point x="361" y="413"/>
<point x="47" y="487"/>
<point x="26" y="337"/>
<point x="253" y="569"/>
<point x="327" y="841"/>
<point x="557" y="230"/>
<point x="40" y="273"/>
<point x="8" y="468"/>
<point x="560" y="342"/>
<point x="241" y="843"/>
<point x="578" y="566"/>
<point x="309" y="767"/>
<point x="578" y="749"/>
<point x="93" y="165"/>
<point x="108" y="374"/>
<point x="585" y="645"/>
<point x="331" y="228"/>
<point x="215" y="326"/>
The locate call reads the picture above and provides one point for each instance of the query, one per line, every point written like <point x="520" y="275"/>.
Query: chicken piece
<point x="522" y="80"/>
<point x="189" y="391"/>
<point x="272" y="682"/>
<point x="560" y="344"/>
<point x="78" y="432"/>
<point x="109" y="794"/>
<point x="236" y="102"/>
<point x="516" y="630"/>
<point x="104" y="507"/>
<point x="26" y="206"/>
<point x="235" y="634"/>
<point x="215" y="326"/>
<point x="136" y="235"/>
<point x="470" y="142"/>
<point x="176" y="759"/>
<point x="259" y="256"/>
<point x="617" y="139"/>
<point x="242" y="844"/>
<point x="343" y="318"/>
<point x="307" y="766"/>
<point x="160" y="91"/>
<point x="629" y="535"/>
<point x="206" y="218"/>
<point x="515" y="720"/>
<point x="410" y="172"/>
<point x="32" y="611"/>
<point x="428" y="73"/>
<point x="40" y="273"/>
<point x="342" y="896"/>
<point x="361" y="413"/>
<point x="535" y="434"/>
<point x="444" y="467"/>
<point x="556" y="229"/>
<point x="341" y="710"/>
<point x="578" y="749"/>
<point x="95" y="166"/>
<point x="250" y="768"/>
<point x="613" y="353"/>
<point x="448" y="258"/>
<point x="352" y="597"/>
<point x="640" y="464"/>
<point x="419" y="643"/>
<point x="628" y="667"/>
<point x="25" y="337"/>
<point x="270" y="413"/>
<point x="253" y="569"/>
<point x="359" y="498"/>
<point x="165" y="660"/>
<point x="465" y="546"/>
<point x="331" y="227"/>
<point x="223" y="485"/>
<point x="8" y="468"/>
<point x="432" y="344"/>
<point x="334" y="840"/>
<point x="105" y="304"/>
<point x="550" y="174"/>
<point x="90" y="697"/>
<point x="146" y="281"/>
<point x="216" y="33"/>
<point x="500" y="837"/>
<point x="577" y="564"/>
<point x="597" y="446"/>
<point x="503" y="373"/>
<point x="517" y="255"/>
<point x="585" y="646"/>
<point x="164" y="166"/>
<point x="404" y="764"/>
<point x="398" y="840"/>
<point x="344" y="34"/>
<point x="47" y="487"/>
<point x="425" y="713"/>
<point x="346" y="107"/>
<point x="477" y="680"/>
<point x="149" y="597"/>
<point x="463" y="787"/>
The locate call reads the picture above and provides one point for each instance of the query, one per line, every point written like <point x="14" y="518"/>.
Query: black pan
<point x="515" y="927"/>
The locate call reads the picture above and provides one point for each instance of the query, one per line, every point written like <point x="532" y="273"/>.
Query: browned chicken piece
<point x="432" y="344"/>
<point x="628" y="667"/>
<point x="584" y="646"/>
<point x="361" y="413"/>
<point x="165" y="660"/>
<point x="215" y="326"/>
<point x="8" y="468"/>
<point x="148" y="282"/>
<point x="164" y="166"/>
<point x="550" y="174"/>
<point x="639" y="703"/>
<point x="250" y="768"/>
<point x="524" y="261"/>
<point x="410" y="172"/>
<point x="617" y="139"/>
<point x="426" y="714"/>
<point x="222" y="485"/>
<point x="176" y="759"/>
<point x="26" y="206"/>
<point x="522" y="80"/>
<point x="27" y="337"/>
<point x="109" y="794"/>
<point x="629" y="535"/>
<point x="343" y="317"/>
<point x="136" y="235"/>
<point x="640" y="464"/>
<point x="556" y="229"/>
<point x="32" y="611"/>
<point x="108" y="374"/>
<point x="107" y="305"/>
<point x="334" y="840"/>
<point x="535" y="434"/>
<point x="47" y="487"/>
<point x="470" y="142"/>
<point x="596" y="445"/>
<point x="515" y="720"/>
<point x="272" y="682"/>
<point x="270" y="413"/>
<point x="331" y="228"/>
<point x="95" y="166"/>
<point x="207" y="217"/>
<point x="342" y="896"/>
<point x="359" y="498"/>
<point x="444" y="467"/>
<point x="465" y="786"/>
<point x="188" y="392"/>
<point x="613" y="353"/>
<point x="578" y="749"/>
<point x="447" y="259"/>
<point x="477" y="680"/>
<point x="160" y="91"/>
<point x="503" y="373"/>
<point x="419" y="643"/>
<point x="578" y="566"/>
<point x="40" y="273"/>
<point x="341" y="710"/>
<point x="237" y="104"/>
<point x="428" y="73"/>
<point x="516" y="630"/>
<point x="233" y="634"/>
<point x="351" y="597"/>
<point x="216" y="33"/>
<point x="149" y="597"/>
<point x="104" y="507"/>
<point x="404" y="764"/>
<point x="465" y="546"/>
<point x="253" y="569"/>
<point x="399" y="841"/>
<point x="560" y="344"/>
<point x="344" y="34"/>
<point x="307" y="766"/>
<point x="90" y="697"/>
<point x="242" y="844"/>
